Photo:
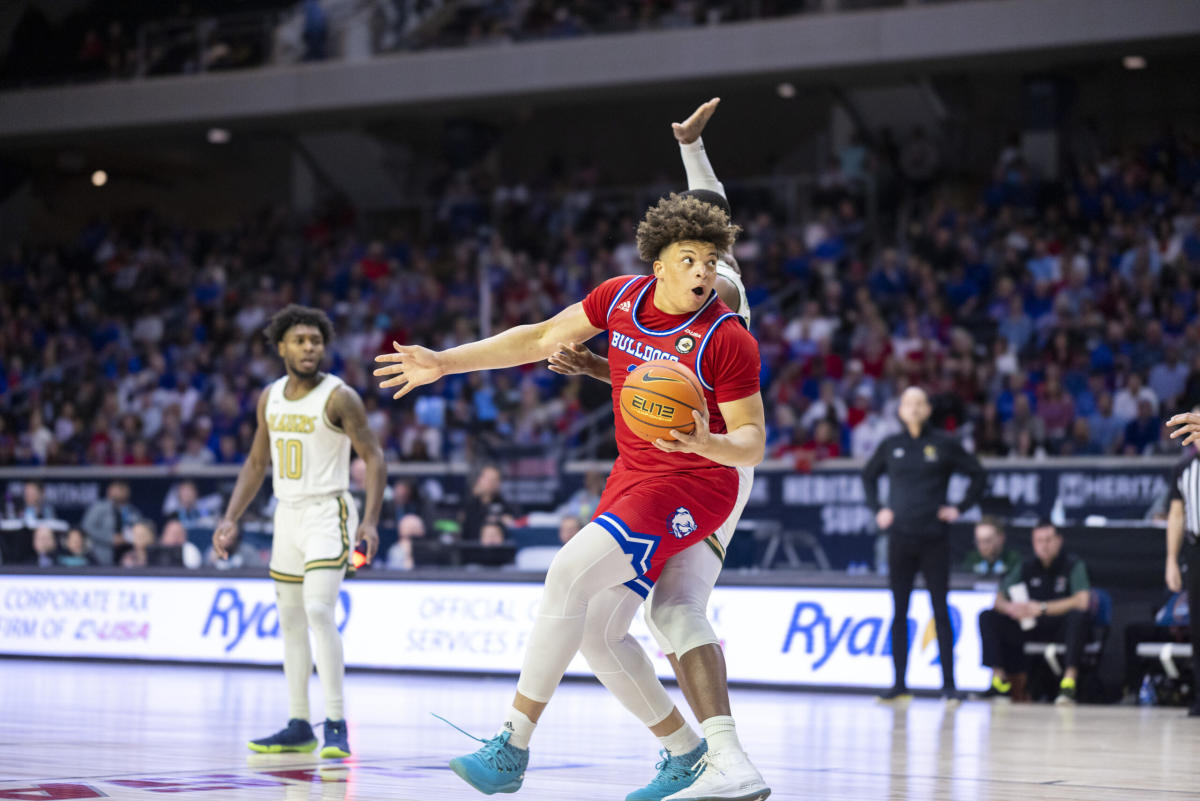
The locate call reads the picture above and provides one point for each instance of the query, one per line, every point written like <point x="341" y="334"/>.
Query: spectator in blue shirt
<point x="1142" y="432"/>
<point x="1016" y="327"/>
<point x="1107" y="429"/>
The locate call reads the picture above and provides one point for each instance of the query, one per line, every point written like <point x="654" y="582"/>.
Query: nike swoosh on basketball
<point x="648" y="378"/>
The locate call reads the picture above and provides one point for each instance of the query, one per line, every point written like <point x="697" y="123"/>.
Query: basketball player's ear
<point x="657" y="268"/>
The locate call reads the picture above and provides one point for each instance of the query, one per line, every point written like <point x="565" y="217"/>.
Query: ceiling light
<point x="218" y="136"/>
<point x="786" y="90"/>
<point x="99" y="178"/>
<point x="1134" y="62"/>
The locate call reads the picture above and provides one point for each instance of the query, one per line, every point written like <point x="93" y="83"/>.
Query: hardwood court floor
<point x="83" y="730"/>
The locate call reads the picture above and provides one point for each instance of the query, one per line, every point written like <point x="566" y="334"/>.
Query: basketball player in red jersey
<point x="677" y="609"/>
<point x="662" y="497"/>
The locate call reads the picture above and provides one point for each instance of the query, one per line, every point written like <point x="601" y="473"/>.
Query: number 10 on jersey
<point x="290" y="458"/>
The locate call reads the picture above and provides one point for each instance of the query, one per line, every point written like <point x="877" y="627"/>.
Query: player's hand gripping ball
<point x="661" y="395"/>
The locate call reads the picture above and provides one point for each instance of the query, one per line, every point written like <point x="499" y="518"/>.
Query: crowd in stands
<point x="1049" y="317"/>
<point x="125" y="39"/>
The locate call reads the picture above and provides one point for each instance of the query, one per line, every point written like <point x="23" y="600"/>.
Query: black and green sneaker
<point x="1066" y="692"/>
<point x="999" y="691"/>
<point x="296" y="737"/>
<point x="895" y="695"/>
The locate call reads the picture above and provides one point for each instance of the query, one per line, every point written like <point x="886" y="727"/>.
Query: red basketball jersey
<point x="655" y="503"/>
<point x="713" y="342"/>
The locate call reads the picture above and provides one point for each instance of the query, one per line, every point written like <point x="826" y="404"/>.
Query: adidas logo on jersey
<point x="624" y="306"/>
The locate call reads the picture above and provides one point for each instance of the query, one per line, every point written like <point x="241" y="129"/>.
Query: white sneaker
<point x="725" y="776"/>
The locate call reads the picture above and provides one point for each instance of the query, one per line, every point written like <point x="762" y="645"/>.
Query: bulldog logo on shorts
<point x="682" y="523"/>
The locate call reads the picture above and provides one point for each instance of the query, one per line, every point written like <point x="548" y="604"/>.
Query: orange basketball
<point x="659" y="396"/>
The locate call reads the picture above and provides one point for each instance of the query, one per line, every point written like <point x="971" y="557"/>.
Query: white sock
<point x="680" y="742"/>
<point x="320" y="602"/>
<point x="520" y="726"/>
<point x="721" y="734"/>
<point x="297" y="654"/>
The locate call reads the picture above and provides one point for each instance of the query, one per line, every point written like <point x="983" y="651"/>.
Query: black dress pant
<point x="909" y="553"/>
<point x="1192" y="585"/>
<point x="1004" y="640"/>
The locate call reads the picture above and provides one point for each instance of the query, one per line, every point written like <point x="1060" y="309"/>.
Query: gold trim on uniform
<point x="712" y="542"/>
<point x="287" y="578"/>
<point x="343" y="559"/>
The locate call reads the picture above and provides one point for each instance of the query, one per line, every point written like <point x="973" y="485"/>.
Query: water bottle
<point x="1147" y="695"/>
<point x="1058" y="513"/>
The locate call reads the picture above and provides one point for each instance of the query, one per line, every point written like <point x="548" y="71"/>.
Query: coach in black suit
<point x="918" y="462"/>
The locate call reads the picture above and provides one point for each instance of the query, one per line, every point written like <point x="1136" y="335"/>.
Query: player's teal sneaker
<point x="296" y="737"/>
<point x="496" y="768"/>
<point x="674" y="774"/>
<point x="337" y="746"/>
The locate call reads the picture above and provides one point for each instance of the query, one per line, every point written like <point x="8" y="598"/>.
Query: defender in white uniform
<point x="307" y="423"/>
<point x="677" y="607"/>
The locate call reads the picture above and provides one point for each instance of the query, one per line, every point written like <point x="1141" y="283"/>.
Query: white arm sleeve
<point x="700" y="173"/>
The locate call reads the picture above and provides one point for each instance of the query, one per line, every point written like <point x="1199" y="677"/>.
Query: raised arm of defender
<point x="700" y="173"/>
<point x="412" y="366"/>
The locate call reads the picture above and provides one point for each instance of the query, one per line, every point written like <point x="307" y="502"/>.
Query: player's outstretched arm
<point x="412" y="366"/>
<point x="575" y="359"/>
<point x="744" y="444"/>
<point x="699" y="169"/>
<point x="249" y="479"/>
<point x="347" y="411"/>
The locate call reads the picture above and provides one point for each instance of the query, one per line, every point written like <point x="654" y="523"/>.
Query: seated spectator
<point x="1023" y="422"/>
<point x="105" y="520"/>
<point x="32" y="509"/>
<point x="874" y="429"/>
<point x="78" y="552"/>
<point x="1107" y="430"/>
<point x="401" y="499"/>
<point x="539" y="557"/>
<point x="581" y="506"/>
<point x="991" y="557"/>
<point x="568" y="528"/>
<point x="142" y="538"/>
<point x="492" y="534"/>
<point x="824" y="442"/>
<point x="827" y="406"/>
<point x="989" y="433"/>
<point x="23" y="517"/>
<point x="1143" y="432"/>
<point x="1057" y="587"/>
<point x="1168" y="378"/>
<point x="486" y="503"/>
<point x="198" y="516"/>
<point x="1056" y="410"/>
<point x="45" y="546"/>
<point x="184" y="505"/>
<point x="400" y="555"/>
<point x="175" y="549"/>
<point x="1080" y="443"/>
<point x="1127" y="399"/>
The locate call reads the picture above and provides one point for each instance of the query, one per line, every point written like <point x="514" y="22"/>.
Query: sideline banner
<point x="772" y="635"/>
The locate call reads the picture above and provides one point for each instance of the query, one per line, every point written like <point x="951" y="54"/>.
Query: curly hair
<point x="293" y="314"/>
<point x="679" y="218"/>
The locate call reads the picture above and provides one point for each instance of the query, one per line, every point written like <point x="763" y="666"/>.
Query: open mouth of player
<point x="698" y="291"/>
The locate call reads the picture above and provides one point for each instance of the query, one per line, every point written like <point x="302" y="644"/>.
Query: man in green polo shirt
<point x="991" y="557"/>
<point x="1057" y="590"/>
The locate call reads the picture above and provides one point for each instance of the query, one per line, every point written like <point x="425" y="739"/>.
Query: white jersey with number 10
<point x="309" y="455"/>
